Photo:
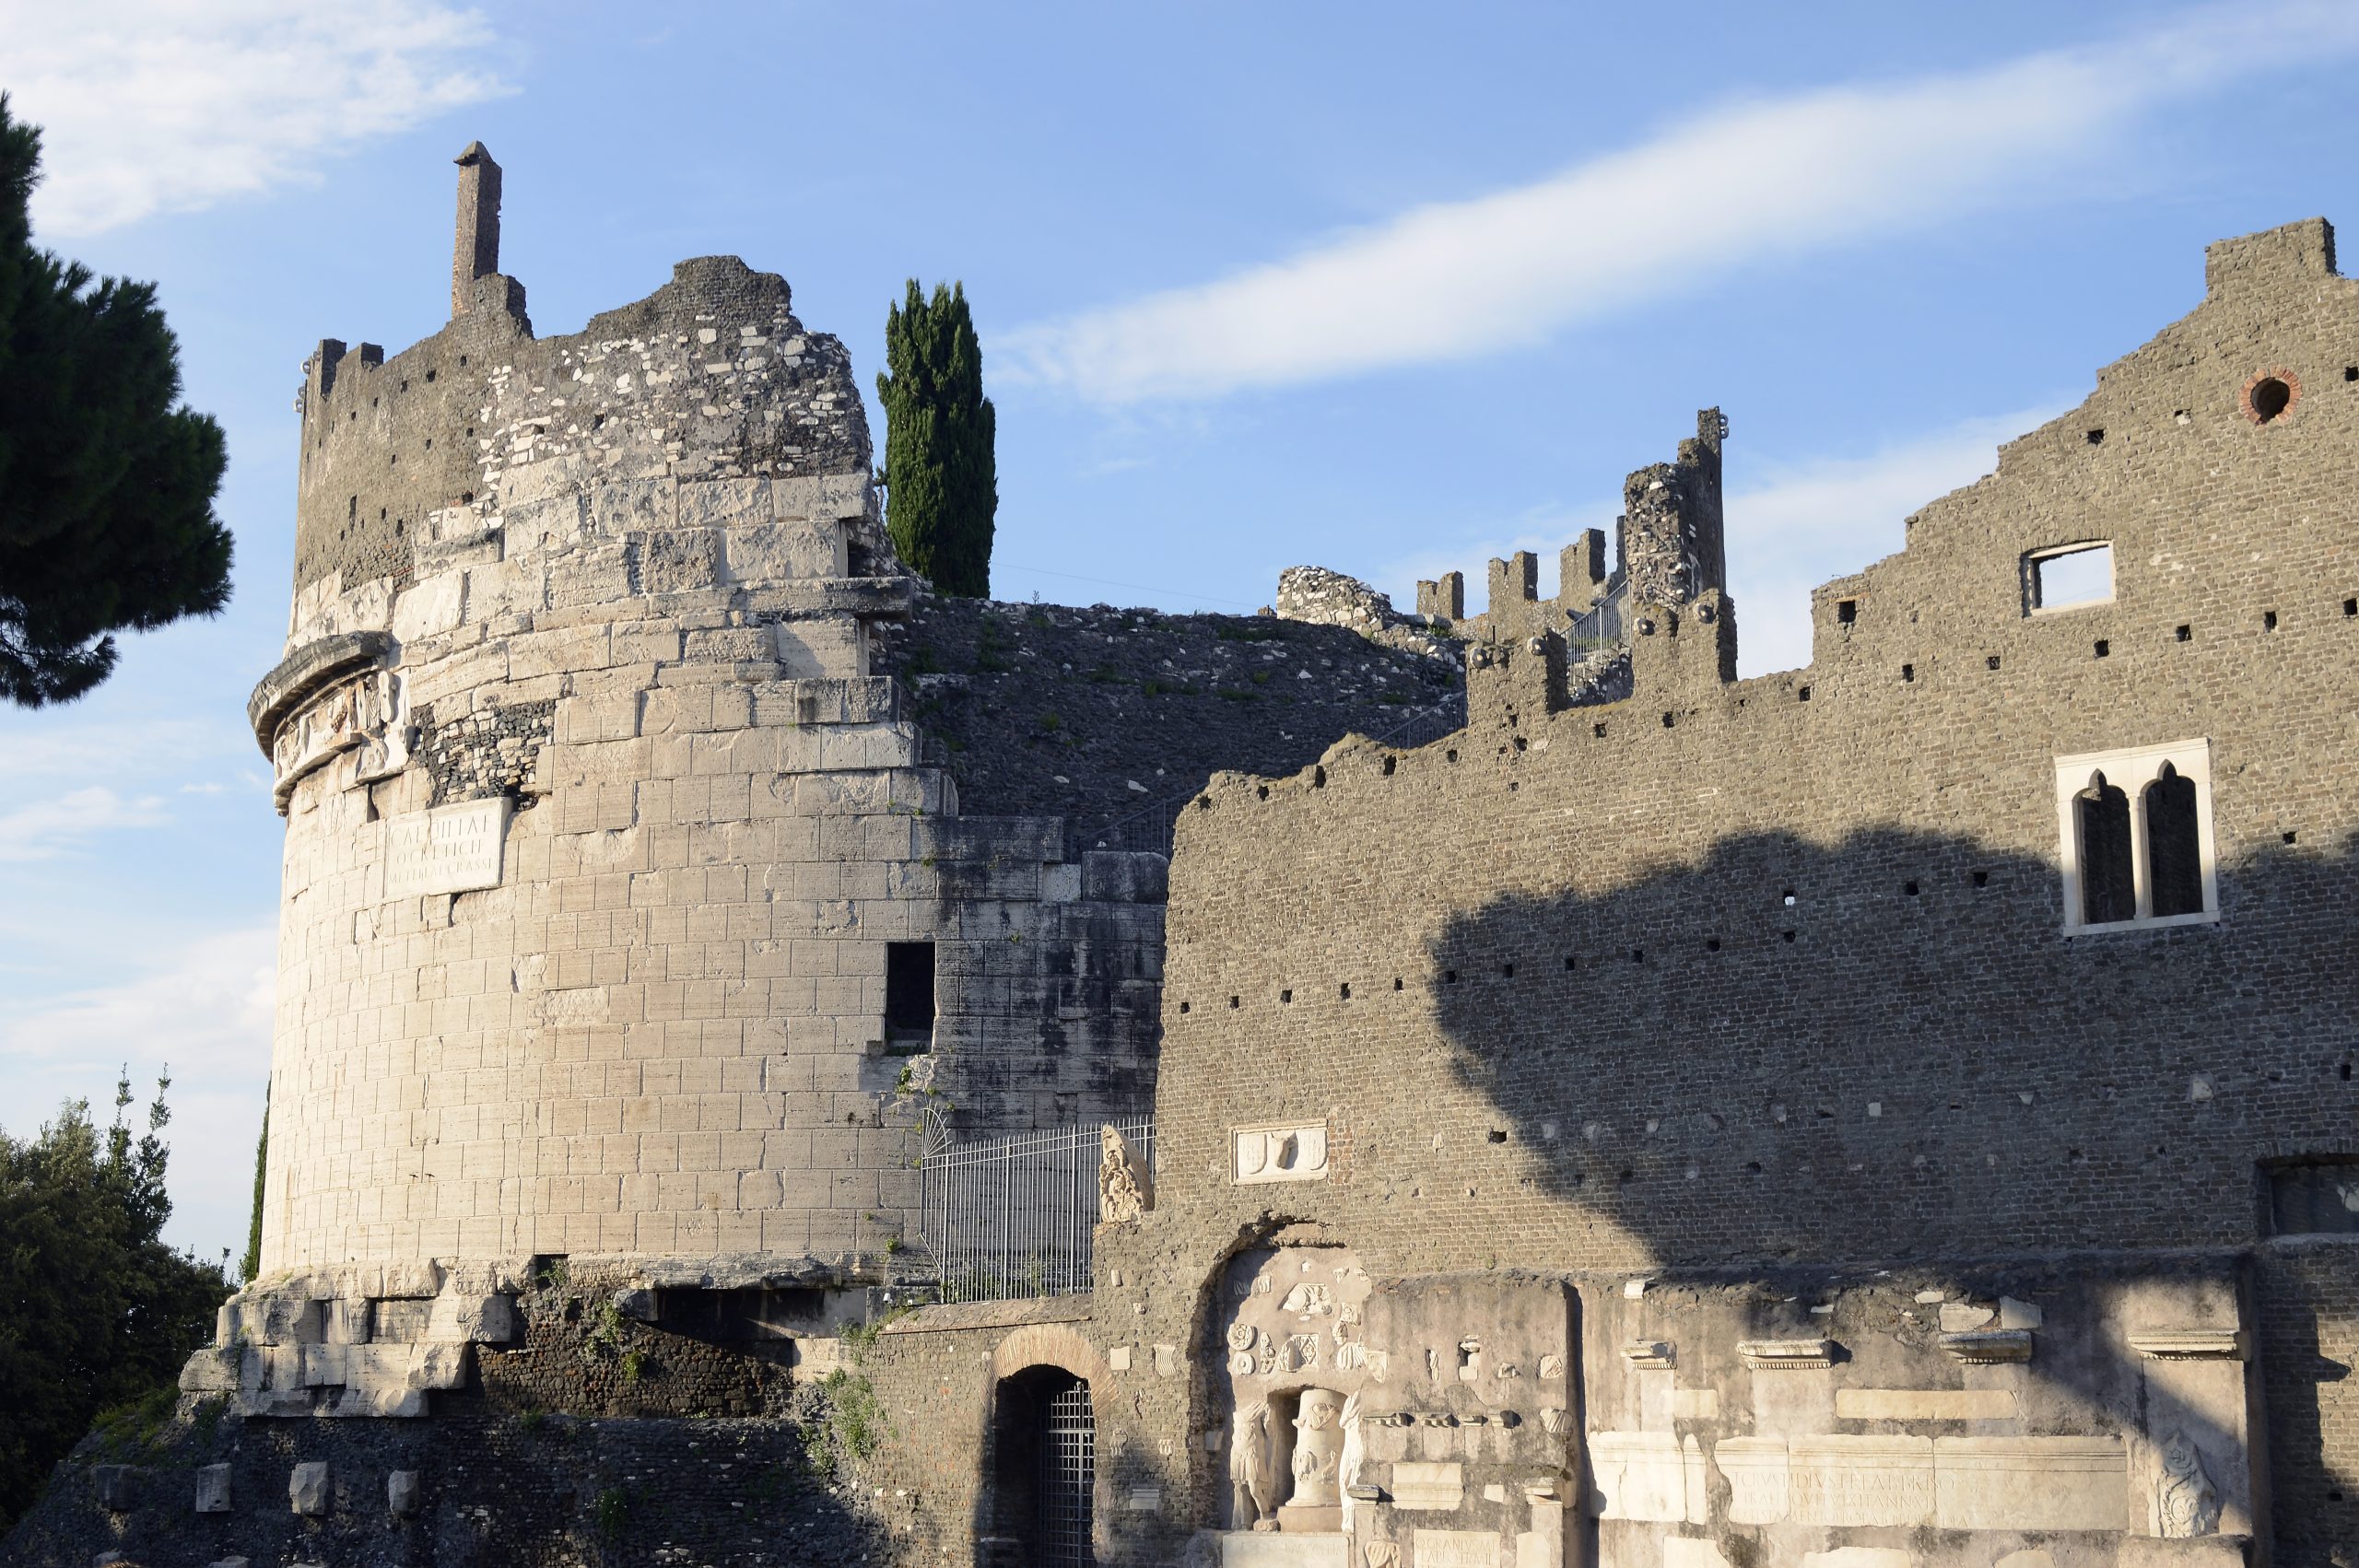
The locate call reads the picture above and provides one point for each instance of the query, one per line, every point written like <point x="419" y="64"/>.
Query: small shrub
<point x="1050" y="724"/>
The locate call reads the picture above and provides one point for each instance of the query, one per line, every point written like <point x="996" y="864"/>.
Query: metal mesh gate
<point x="1015" y="1217"/>
<point x="1068" y="1471"/>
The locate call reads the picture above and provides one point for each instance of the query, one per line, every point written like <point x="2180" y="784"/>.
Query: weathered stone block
<point x="307" y="1490"/>
<point x="213" y="1489"/>
<point x="402" y="1493"/>
<point x="117" y="1487"/>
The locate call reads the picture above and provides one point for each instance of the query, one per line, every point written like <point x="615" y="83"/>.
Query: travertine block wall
<point x="599" y="828"/>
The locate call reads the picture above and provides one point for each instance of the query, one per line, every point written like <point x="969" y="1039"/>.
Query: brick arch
<point x="1049" y="1344"/>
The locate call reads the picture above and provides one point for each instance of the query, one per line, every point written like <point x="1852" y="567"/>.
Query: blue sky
<point x="1387" y="288"/>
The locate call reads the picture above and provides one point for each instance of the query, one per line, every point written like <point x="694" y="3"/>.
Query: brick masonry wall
<point x="1751" y="973"/>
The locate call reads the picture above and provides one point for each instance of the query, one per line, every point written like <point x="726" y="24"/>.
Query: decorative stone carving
<point x="2185" y="1502"/>
<point x="1861" y="1481"/>
<point x="1253" y="1498"/>
<point x="1985" y="1347"/>
<point x="1653" y="1354"/>
<point x="1786" y="1355"/>
<point x="1125" y="1186"/>
<point x="2190" y="1344"/>
<point x="1757" y="1473"/>
<point x="1317" y="1449"/>
<point x="1553" y="1420"/>
<point x="1241" y="1335"/>
<point x="1280" y="1154"/>
<point x="1552" y="1366"/>
<point x="1381" y="1554"/>
<point x="1310" y="1298"/>
<point x="1437" y="1485"/>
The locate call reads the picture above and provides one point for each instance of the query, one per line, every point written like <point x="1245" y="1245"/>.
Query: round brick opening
<point x="2269" y="396"/>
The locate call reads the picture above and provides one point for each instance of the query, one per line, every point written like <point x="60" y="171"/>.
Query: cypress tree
<point x="941" y="478"/>
<point x="106" y="479"/>
<point x="250" y="1265"/>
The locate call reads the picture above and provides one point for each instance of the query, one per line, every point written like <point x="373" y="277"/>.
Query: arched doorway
<point x="1044" y="1467"/>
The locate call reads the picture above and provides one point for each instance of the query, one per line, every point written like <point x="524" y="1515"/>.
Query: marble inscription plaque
<point x="1756" y="1469"/>
<point x="2030" y="1483"/>
<point x="1861" y="1481"/>
<point x="1417" y="1484"/>
<point x="447" y="849"/>
<point x="1268" y="1549"/>
<point x="1925" y="1404"/>
<point x="1454" y="1548"/>
<point x="1642" y="1474"/>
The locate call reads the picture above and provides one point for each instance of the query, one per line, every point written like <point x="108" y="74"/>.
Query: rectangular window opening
<point x="909" y="995"/>
<point x="2316" y="1194"/>
<point x="2068" y="576"/>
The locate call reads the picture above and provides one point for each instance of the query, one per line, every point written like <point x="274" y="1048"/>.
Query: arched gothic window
<point x="2109" y="882"/>
<point x="2136" y="827"/>
<point x="2174" y="853"/>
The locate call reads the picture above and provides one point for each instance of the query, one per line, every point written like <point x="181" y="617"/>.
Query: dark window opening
<point x="2350" y="608"/>
<point x="738" y="1317"/>
<point x="1847" y="611"/>
<point x="2174" y="858"/>
<point x="2316" y="1196"/>
<point x="2186" y="634"/>
<point x="1982" y="878"/>
<point x="2105" y="648"/>
<point x="2269" y="620"/>
<point x="2270" y="399"/>
<point x="1803" y="694"/>
<point x="1907" y="672"/>
<point x="1991" y="663"/>
<point x="2096" y="437"/>
<point x="2101" y="812"/>
<point x="909" y="994"/>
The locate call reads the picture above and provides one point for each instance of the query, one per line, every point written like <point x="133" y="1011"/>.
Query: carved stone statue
<point x="1348" y="1470"/>
<point x="1125" y="1186"/>
<point x="1253" y="1497"/>
<point x="1317" y="1449"/>
<point x="2186" y="1503"/>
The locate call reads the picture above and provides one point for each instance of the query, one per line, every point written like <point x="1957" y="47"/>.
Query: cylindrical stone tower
<point x="599" y="832"/>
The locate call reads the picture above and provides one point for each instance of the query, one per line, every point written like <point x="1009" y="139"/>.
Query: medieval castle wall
<point x="1756" y="989"/>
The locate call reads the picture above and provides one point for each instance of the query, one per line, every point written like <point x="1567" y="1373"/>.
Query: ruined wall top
<point x="710" y="377"/>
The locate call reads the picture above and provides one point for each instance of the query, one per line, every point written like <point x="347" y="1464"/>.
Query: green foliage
<point x="604" y="1340"/>
<point x="99" y="1313"/>
<point x="941" y="476"/>
<point x="634" y="1367"/>
<point x="1050" y="722"/>
<point x="106" y="479"/>
<point x="855" y="1424"/>
<point x="611" y="1512"/>
<point x="250" y="1265"/>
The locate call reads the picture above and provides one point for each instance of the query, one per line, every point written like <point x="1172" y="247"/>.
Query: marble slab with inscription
<point x="1454" y="1548"/>
<point x="1861" y="1481"/>
<point x="446" y="849"/>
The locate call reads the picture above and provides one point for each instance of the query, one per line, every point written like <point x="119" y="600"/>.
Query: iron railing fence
<point x="1014" y="1218"/>
<point x="1606" y="622"/>
<point x="1149" y="828"/>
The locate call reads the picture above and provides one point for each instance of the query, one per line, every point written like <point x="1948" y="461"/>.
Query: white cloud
<point x="1769" y="179"/>
<point x="206" y="1010"/>
<point x="1791" y="528"/>
<point x="46" y="828"/>
<point x="164" y="105"/>
<point x="1803" y="523"/>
